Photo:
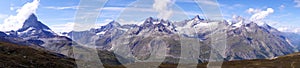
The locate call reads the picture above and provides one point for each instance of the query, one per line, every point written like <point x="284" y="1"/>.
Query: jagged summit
<point x="237" y="21"/>
<point x="34" y="28"/>
<point x="110" y="25"/>
<point x="113" y="23"/>
<point x="33" y="22"/>
<point x="197" y="17"/>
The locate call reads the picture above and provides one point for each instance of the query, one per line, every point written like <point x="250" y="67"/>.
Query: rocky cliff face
<point x="239" y="39"/>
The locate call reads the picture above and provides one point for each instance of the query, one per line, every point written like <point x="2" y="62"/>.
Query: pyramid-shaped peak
<point x="33" y="22"/>
<point x="32" y="17"/>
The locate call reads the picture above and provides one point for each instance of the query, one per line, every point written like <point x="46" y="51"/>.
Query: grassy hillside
<point x="15" y="56"/>
<point x="287" y="61"/>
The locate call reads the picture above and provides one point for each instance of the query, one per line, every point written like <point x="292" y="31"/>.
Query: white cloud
<point x="297" y="3"/>
<point x="16" y="22"/>
<point x="252" y="10"/>
<point x="289" y="29"/>
<point x="61" y="8"/>
<point x="162" y="7"/>
<point x="259" y="14"/>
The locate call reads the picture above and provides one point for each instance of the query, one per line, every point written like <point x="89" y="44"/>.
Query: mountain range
<point x="243" y="39"/>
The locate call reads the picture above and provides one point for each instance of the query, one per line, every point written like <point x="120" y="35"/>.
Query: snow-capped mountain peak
<point x="33" y="22"/>
<point x="237" y="21"/>
<point x="34" y="28"/>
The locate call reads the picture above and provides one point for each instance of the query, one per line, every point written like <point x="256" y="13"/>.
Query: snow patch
<point x="101" y="33"/>
<point x="239" y="24"/>
<point x="26" y="31"/>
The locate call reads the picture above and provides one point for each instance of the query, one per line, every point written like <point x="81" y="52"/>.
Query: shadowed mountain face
<point x="2" y="34"/>
<point x="32" y="21"/>
<point x="34" y="28"/>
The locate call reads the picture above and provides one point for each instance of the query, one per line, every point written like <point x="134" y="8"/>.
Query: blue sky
<point x="59" y="14"/>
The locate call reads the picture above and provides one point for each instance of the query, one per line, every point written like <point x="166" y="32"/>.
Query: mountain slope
<point x="12" y="56"/>
<point x="36" y="34"/>
<point x="286" y="61"/>
<point x="34" y="28"/>
<point x="246" y="41"/>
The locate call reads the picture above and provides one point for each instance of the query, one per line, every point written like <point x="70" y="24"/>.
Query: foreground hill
<point x="287" y="61"/>
<point x="16" y="56"/>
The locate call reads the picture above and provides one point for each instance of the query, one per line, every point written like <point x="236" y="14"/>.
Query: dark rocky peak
<point x="2" y="34"/>
<point x="197" y="18"/>
<point x="252" y="25"/>
<point x="110" y="25"/>
<point x="33" y="22"/>
<point x="34" y="28"/>
<point x="149" y="22"/>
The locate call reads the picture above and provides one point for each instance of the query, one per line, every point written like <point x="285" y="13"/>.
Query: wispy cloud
<point x="281" y="7"/>
<point x="233" y="6"/>
<point x="205" y="2"/>
<point x="297" y="3"/>
<point x="61" y="8"/>
<point x="252" y="10"/>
